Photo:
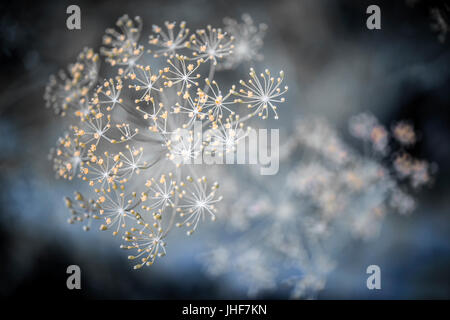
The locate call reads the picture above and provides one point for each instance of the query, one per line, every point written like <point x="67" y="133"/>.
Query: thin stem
<point x="212" y="70"/>
<point x="174" y="212"/>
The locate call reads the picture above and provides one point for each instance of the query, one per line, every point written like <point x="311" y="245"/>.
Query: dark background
<point x="335" y="67"/>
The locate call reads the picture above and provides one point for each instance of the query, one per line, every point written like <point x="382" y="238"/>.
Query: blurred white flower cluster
<point x="289" y="231"/>
<point x="132" y="134"/>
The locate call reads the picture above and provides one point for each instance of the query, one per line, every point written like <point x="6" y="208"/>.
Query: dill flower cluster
<point x="132" y="135"/>
<point x="288" y="232"/>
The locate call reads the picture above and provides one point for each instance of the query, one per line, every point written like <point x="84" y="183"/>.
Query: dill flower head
<point x="133" y="134"/>
<point x="290" y="232"/>
<point x="248" y="40"/>
<point x="404" y="133"/>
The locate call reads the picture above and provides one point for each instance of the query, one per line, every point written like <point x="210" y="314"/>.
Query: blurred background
<point x="335" y="67"/>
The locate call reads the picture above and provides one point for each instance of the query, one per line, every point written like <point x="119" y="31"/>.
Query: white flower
<point x="83" y="210"/>
<point x="108" y="94"/>
<point x="117" y="208"/>
<point x="210" y="44"/>
<point x="198" y="203"/>
<point x="184" y="147"/>
<point x="169" y="41"/>
<point x="68" y="157"/>
<point x="69" y="90"/>
<point x="260" y="95"/>
<point x="180" y="73"/>
<point x="217" y="103"/>
<point x="226" y="135"/>
<point x="144" y="80"/>
<point x="122" y="49"/>
<point x="160" y="194"/>
<point x="248" y="39"/>
<point x="148" y="241"/>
